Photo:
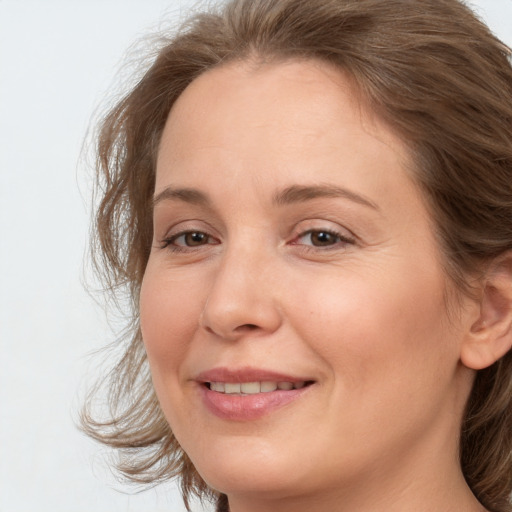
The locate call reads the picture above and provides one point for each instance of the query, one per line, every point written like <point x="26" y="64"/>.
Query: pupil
<point x="322" y="238"/>
<point x="195" y="238"/>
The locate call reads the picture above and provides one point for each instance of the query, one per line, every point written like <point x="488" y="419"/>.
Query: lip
<point x="247" y="407"/>
<point x="246" y="374"/>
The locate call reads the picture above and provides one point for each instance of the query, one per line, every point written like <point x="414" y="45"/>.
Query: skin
<point x="363" y="314"/>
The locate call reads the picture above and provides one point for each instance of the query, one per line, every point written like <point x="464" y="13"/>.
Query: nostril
<point x="247" y="327"/>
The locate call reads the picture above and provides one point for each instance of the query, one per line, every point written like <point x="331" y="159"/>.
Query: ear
<point x="490" y="336"/>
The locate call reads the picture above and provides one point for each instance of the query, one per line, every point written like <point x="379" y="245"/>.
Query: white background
<point x="58" y="59"/>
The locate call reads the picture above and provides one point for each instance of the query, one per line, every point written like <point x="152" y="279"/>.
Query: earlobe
<point x="490" y="336"/>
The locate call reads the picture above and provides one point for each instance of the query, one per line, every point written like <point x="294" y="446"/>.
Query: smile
<point x="248" y="394"/>
<point x="253" y="388"/>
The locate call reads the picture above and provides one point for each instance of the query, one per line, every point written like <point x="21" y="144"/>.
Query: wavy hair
<point x="434" y="73"/>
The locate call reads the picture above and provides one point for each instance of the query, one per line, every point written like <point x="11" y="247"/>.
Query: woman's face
<point x="292" y="250"/>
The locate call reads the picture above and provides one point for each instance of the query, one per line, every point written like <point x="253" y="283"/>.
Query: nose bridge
<point x="241" y="297"/>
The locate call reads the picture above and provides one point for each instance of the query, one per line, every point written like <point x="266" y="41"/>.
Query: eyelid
<point x="341" y="241"/>
<point x="315" y="225"/>
<point x="169" y="244"/>
<point x="301" y="229"/>
<point x="185" y="232"/>
<point x="172" y="226"/>
<point x="184" y="227"/>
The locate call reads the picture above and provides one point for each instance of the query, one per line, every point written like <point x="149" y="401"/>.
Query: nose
<point x="242" y="298"/>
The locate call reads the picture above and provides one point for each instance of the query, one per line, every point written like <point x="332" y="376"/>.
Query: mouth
<point x="256" y="387"/>
<point x="248" y="394"/>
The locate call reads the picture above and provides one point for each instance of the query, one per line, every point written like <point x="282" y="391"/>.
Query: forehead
<point x="282" y="124"/>
<point x="293" y="99"/>
<point x="285" y="84"/>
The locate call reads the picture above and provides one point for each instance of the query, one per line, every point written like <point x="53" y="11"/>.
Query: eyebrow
<point x="289" y="195"/>
<point x="301" y="193"/>
<point x="188" y="195"/>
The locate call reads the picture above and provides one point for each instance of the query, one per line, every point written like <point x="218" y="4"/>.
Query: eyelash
<point x="340" y="239"/>
<point x="170" y="242"/>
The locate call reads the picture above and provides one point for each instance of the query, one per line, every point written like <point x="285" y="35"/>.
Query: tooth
<point x="232" y="387"/>
<point x="250" y="387"/>
<point x="284" y="385"/>
<point x="299" y="385"/>
<point x="217" y="386"/>
<point x="266" y="386"/>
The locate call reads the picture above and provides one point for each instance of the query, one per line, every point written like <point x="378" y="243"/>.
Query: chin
<point x="251" y="482"/>
<point x="241" y="466"/>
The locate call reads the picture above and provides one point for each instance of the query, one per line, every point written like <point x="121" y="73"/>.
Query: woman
<point x="310" y="203"/>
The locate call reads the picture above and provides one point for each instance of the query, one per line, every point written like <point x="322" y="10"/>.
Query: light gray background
<point x="58" y="59"/>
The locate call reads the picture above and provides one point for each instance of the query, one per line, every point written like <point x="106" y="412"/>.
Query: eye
<point x="188" y="240"/>
<point x="322" y="238"/>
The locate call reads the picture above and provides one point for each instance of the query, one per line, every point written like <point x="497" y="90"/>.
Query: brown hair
<point x="435" y="74"/>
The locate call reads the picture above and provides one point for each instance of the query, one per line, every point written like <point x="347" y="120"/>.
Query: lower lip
<point x="248" y="407"/>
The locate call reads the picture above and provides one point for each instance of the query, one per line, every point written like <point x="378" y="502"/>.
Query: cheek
<point x="378" y="325"/>
<point x="169" y="316"/>
<point x="391" y="357"/>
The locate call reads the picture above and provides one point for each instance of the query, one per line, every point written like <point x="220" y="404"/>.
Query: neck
<point x="403" y="500"/>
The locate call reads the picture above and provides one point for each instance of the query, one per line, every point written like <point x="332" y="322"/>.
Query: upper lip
<point x="246" y="374"/>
